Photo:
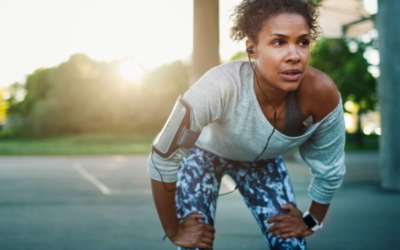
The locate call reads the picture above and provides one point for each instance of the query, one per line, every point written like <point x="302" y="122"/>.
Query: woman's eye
<point x="304" y="42"/>
<point x="278" y="42"/>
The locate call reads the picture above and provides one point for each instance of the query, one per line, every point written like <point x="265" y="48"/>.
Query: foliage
<point x="82" y="95"/>
<point x="3" y="106"/>
<point x="242" y="55"/>
<point x="15" y="105"/>
<point x="11" y="132"/>
<point x="348" y="70"/>
<point x="370" y="143"/>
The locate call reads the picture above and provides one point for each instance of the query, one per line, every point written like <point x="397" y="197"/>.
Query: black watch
<point x="311" y="222"/>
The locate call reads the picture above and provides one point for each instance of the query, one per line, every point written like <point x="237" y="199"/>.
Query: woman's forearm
<point x="165" y="205"/>
<point x="318" y="210"/>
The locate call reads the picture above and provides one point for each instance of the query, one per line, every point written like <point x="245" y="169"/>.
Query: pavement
<point x="106" y="203"/>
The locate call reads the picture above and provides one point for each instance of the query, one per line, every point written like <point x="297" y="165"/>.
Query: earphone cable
<point x="275" y="119"/>
<point x="258" y="84"/>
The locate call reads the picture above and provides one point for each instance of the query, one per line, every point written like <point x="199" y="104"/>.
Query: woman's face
<point x="282" y="51"/>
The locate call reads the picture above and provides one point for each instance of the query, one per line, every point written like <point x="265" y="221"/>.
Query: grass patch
<point x="85" y="144"/>
<point x="116" y="144"/>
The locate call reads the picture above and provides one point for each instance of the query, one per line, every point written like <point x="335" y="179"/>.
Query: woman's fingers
<point x="287" y="229"/>
<point x="284" y="231"/>
<point x="195" y="233"/>
<point x="284" y="228"/>
<point x="288" y="206"/>
<point x="207" y="240"/>
<point x="205" y="246"/>
<point x="209" y="228"/>
<point x="209" y="235"/>
<point x="287" y="235"/>
<point x="279" y="226"/>
<point x="196" y="216"/>
<point x="278" y="218"/>
<point x="203" y="225"/>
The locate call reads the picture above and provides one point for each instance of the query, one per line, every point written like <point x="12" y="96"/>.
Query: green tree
<point x="82" y="95"/>
<point x="36" y="87"/>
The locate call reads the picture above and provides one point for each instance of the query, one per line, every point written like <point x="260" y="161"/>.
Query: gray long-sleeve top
<point x="225" y="109"/>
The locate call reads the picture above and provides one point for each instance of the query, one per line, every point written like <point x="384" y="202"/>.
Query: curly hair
<point x="250" y="16"/>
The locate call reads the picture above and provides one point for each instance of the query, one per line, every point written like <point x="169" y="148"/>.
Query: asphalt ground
<point x="106" y="203"/>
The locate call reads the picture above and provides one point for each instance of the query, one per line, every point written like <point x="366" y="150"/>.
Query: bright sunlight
<point x="131" y="71"/>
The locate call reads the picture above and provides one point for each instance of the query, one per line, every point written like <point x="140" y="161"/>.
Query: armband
<point x="176" y="132"/>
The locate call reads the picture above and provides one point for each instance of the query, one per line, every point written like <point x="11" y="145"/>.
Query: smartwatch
<point x="311" y="222"/>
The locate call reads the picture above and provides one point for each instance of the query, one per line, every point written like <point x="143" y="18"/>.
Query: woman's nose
<point x="293" y="55"/>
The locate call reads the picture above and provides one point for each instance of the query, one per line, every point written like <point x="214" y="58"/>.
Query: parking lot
<point x="106" y="203"/>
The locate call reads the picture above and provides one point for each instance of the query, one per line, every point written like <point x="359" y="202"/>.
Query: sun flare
<point x="132" y="71"/>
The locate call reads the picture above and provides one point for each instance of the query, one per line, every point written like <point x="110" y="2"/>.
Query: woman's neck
<point x="268" y="95"/>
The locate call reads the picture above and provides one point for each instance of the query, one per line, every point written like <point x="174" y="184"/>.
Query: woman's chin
<point x="290" y="86"/>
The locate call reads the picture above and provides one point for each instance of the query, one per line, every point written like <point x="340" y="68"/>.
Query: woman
<point x="249" y="113"/>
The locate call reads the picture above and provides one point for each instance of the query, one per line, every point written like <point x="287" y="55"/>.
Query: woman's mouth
<point x="291" y="74"/>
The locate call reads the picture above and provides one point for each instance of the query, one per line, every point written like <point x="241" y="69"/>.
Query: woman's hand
<point x="192" y="233"/>
<point x="289" y="225"/>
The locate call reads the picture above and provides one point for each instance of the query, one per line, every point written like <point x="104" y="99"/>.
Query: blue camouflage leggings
<point x="265" y="188"/>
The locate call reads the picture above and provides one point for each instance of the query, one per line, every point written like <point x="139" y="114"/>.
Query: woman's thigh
<point x="198" y="184"/>
<point x="265" y="187"/>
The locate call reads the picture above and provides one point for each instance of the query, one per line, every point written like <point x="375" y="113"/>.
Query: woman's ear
<point x="250" y="48"/>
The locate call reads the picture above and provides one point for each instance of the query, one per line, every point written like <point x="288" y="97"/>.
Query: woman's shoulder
<point x="225" y="70"/>
<point x="225" y="77"/>
<point x="215" y="93"/>
<point x="318" y="94"/>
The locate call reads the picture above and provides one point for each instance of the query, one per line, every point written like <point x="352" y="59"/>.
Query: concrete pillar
<point x="205" y="37"/>
<point x="388" y="25"/>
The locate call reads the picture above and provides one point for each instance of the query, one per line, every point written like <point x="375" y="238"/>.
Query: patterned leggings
<point x="265" y="188"/>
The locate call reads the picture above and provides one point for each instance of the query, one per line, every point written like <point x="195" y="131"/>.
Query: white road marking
<point x="103" y="188"/>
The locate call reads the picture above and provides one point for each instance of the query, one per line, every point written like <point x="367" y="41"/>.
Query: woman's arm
<point x="324" y="153"/>
<point x="207" y="99"/>
<point x="318" y="210"/>
<point x="165" y="205"/>
<point x="190" y="232"/>
<point x="292" y="225"/>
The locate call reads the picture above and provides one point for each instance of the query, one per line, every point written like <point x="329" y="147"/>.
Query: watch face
<point x="310" y="222"/>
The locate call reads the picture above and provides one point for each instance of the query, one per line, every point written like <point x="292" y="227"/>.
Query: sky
<point x="45" y="33"/>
